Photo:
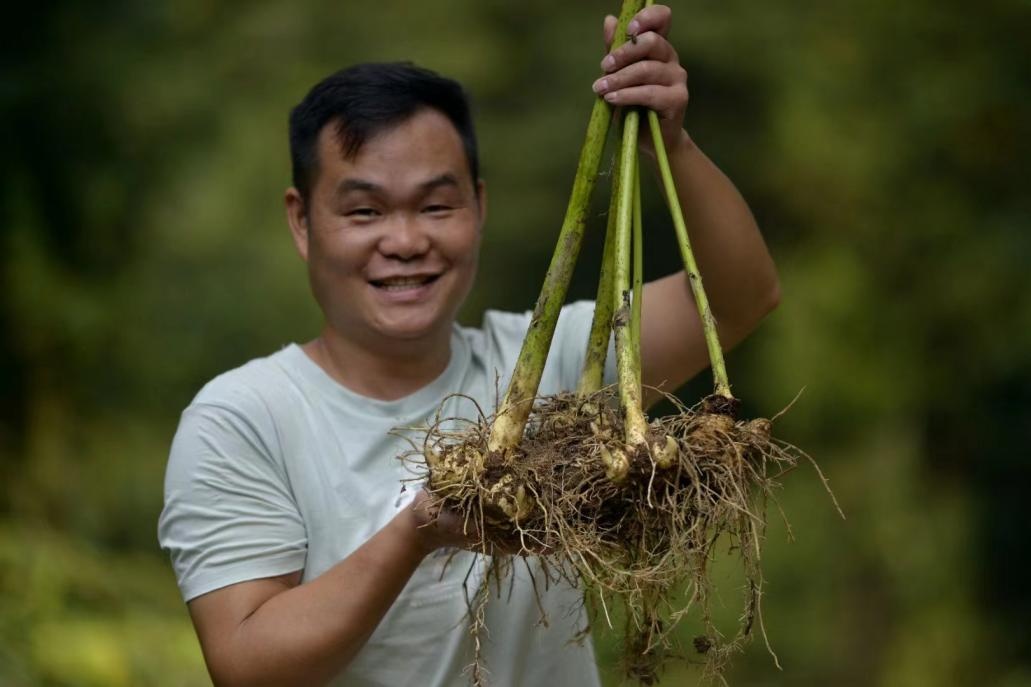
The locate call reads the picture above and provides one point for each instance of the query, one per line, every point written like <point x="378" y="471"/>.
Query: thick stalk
<point x="712" y="341"/>
<point x="593" y="376"/>
<point x="635" y="310"/>
<point x="628" y="361"/>
<point x="508" y="426"/>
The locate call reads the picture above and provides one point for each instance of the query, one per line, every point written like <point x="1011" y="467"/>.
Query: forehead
<point x="422" y="146"/>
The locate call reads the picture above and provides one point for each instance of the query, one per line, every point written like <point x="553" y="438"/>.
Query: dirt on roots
<point x="643" y="540"/>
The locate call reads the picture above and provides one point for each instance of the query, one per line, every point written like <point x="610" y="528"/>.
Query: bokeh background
<point x="883" y="147"/>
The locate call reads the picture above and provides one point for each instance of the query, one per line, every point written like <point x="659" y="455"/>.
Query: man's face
<point x="391" y="236"/>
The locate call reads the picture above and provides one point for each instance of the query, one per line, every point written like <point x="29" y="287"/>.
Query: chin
<point x="412" y="331"/>
<point x="418" y="323"/>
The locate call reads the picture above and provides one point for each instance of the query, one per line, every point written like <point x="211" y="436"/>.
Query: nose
<point x="403" y="239"/>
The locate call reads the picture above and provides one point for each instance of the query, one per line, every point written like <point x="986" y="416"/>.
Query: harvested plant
<point x="630" y="509"/>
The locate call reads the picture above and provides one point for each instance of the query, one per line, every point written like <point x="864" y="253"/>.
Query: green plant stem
<point x="638" y="273"/>
<point x="507" y="430"/>
<point x="628" y="361"/>
<point x="593" y="376"/>
<point x="712" y="341"/>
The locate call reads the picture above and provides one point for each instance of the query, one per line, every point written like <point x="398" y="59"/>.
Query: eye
<point x="437" y="209"/>
<point x="362" y="213"/>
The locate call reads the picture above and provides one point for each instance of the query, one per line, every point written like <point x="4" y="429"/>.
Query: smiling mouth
<point x="403" y="283"/>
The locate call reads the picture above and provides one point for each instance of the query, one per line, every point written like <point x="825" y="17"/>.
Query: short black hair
<point x="365" y="99"/>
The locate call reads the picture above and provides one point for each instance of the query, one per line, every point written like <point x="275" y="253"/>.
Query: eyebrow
<point x="446" y="179"/>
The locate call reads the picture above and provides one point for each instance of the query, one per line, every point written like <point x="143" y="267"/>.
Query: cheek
<point x="468" y="265"/>
<point x="465" y="249"/>
<point x="337" y="255"/>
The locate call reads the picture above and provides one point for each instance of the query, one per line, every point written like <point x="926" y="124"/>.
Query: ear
<point x="297" y="219"/>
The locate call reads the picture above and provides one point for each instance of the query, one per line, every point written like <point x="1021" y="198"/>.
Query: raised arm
<point x="739" y="275"/>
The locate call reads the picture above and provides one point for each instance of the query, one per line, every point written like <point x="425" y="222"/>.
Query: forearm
<point x="739" y="275"/>
<point x="308" y="633"/>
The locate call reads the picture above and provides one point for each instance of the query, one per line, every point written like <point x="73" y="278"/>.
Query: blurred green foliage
<point x="883" y="147"/>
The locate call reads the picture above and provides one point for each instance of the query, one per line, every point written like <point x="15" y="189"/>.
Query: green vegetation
<point x="882" y="146"/>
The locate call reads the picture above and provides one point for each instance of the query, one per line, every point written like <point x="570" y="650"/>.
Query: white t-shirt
<point x="277" y="468"/>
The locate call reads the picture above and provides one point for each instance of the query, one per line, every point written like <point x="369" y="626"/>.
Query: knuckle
<point x="637" y="68"/>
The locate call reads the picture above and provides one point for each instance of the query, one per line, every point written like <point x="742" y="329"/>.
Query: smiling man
<point x="391" y="234"/>
<point x="303" y="558"/>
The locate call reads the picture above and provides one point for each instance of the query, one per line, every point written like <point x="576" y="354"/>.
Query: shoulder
<point x="248" y="389"/>
<point x="502" y="327"/>
<point x="235" y="417"/>
<point x="259" y="393"/>
<point x="498" y="340"/>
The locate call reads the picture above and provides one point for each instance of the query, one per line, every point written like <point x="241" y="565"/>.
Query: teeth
<point x="402" y="283"/>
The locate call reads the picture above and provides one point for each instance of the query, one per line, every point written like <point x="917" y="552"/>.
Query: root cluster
<point x="640" y="537"/>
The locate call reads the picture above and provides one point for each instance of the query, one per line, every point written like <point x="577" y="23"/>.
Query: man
<point x="300" y="558"/>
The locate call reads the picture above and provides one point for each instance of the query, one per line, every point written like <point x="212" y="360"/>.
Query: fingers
<point x="450" y="524"/>
<point x="648" y="72"/>
<point x="645" y="71"/>
<point x="656" y="98"/>
<point x="657" y="18"/>
<point x="439" y="527"/>
<point x="652" y="82"/>
<point x="649" y="46"/>
<point x="424" y="509"/>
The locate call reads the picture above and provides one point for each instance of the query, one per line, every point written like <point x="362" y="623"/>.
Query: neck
<point x="385" y="371"/>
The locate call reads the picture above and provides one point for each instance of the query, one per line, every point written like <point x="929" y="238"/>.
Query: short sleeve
<point x="569" y="345"/>
<point x="229" y="514"/>
<point x="505" y="332"/>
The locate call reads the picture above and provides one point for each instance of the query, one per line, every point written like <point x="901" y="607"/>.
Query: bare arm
<point x="737" y="271"/>
<point x="276" y="631"/>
